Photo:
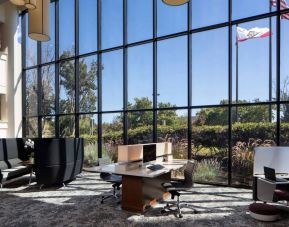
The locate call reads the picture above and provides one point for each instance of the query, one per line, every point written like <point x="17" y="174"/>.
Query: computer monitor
<point x="149" y="153"/>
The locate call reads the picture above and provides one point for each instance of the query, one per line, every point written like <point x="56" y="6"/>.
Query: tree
<point x="219" y="115"/>
<point x="87" y="90"/>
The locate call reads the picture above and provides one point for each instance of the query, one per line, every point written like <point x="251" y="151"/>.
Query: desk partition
<point x="135" y="152"/>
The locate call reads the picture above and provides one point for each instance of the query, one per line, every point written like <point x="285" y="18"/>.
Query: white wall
<point x="11" y="124"/>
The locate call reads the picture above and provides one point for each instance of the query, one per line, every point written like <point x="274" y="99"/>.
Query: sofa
<point x="12" y="153"/>
<point x="57" y="161"/>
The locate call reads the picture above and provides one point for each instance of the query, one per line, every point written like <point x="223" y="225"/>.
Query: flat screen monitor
<point x="149" y="153"/>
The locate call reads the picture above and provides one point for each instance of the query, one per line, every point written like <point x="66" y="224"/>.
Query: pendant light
<point x="175" y="2"/>
<point x="30" y="4"/>
<point x="38" y="21"/>
<point x="18" y="2"/>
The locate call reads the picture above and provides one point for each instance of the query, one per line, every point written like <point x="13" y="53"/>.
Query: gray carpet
<point x="78" y="204"/>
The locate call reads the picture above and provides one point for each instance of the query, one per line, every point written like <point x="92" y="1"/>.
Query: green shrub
<point x="207" y="170"/>
<point x="90" y="154"/>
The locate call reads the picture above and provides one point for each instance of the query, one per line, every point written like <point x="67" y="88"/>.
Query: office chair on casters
<point x="175" y="187"/>
<point x="114" y="179"/>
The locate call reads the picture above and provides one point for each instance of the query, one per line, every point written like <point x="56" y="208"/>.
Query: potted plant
<point x="29" y="147"/>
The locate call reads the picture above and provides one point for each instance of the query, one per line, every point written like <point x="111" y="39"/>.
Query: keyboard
<point x="155" y="167"/>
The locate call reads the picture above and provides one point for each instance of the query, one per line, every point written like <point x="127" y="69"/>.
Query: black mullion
<point x="57" y="69"/>
<point x="278" y="57"/>
<point x="76" y="78"/>
<point x="23" y="59"/>
<point x="125" y="82"/>
<point x="155" y="80"/>
<point x="39" y="90"/>
<point x="189" y="133"/>
<point x="99" y="81"/>
<point x="230" y="82"/>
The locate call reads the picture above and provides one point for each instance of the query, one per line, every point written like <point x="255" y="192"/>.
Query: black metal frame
<point x="154" y="40"/>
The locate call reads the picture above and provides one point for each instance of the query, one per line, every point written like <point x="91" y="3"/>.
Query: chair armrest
<point x="265" y="190"/>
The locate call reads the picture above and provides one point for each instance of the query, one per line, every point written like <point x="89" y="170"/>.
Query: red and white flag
<point x="283" y="5"/>
<point x="244" y="34"/>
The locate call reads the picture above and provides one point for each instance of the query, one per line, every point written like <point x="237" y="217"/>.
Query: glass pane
<point x="140" y="76"/>
<point x="88" y="68"/>
<point x="171" y="19"/>
<point x="67" y="87"/>
<point x="48" y="48"/>
<point x="48" y="89"/>
<point x="88" y="130"/>
<point x="66" y="28"/>
<point x="172" y="72"/>
<point x="32" y="128"/>
<point x="284" y="129"/>
<point x="112" y="81"/>
<point x="173" y="127"/>
<point x="112" y="23"/>
<point x="112" y="134"/>
<point x="284" y="69"/>
<point x="251" y="128"/>
<point x="248" y="8"/>
<point x="210" y="67"/>
<point x="140" y="127"/>
<point x="87" y="26"/>
<point x="210" y="144"/>
<point x="31" y="92"/>
<point x="139" y="20"/>
<point x="31" y="48"/>
<point x="251" y="64"/>
<point x="66" y="126"/>
<point x="48" y="127"/>
<point x="205" y="13"/>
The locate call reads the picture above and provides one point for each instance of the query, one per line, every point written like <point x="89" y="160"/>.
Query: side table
<point x="29" y="164"/>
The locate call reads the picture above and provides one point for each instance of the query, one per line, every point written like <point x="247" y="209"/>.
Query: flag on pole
<point x="244" y="34"/>
<point x="283" y="5"/>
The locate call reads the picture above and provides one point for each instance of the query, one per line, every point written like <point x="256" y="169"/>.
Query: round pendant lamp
<point x="30" y="4"/>
<point x="38" y="21"/>
<point x="175" y="2"/>
<point x="18" y="2"/>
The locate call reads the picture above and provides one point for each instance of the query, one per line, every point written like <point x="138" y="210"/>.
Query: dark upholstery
<point x="57" y="160"/>
<point x="281" y="195"/>
<point x="175" y="187"/>
<point x="12" y="153"/>
<point x="182" y="185"/>
<point x="263" y="209"/>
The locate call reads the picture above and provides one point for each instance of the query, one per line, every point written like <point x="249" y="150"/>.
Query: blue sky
<point x="209" y="50"/>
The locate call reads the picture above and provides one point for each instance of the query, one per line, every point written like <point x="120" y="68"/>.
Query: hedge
<point x="207" y="136"/>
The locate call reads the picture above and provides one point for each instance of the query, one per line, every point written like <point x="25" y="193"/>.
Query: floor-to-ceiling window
<point x="139" y="71"/>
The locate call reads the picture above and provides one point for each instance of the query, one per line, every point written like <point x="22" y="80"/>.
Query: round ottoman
<point x="264" y="212"/>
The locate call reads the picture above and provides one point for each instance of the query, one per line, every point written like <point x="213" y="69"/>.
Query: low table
<point x="30" y="165"/>
<point x="264" y="212"/>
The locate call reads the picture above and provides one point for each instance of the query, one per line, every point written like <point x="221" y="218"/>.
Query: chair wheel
<point x="163" y="211"/>
<point x="101" y="201"/>
<point x="180" y="216"/>
<point x="195" y="212"/>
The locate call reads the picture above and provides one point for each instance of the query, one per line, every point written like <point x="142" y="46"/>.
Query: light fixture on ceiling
<point x="30" y="4"/>
<point x="38" y="21"/>
<point x="18" y="2"/>
<point x="175" y="2"/>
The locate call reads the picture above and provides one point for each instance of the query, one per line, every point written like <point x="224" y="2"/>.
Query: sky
<point x="209" y="50"/>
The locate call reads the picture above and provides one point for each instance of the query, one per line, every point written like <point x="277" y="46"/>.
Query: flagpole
<point x="270" y="63"/>
<point x="237" y="74"/>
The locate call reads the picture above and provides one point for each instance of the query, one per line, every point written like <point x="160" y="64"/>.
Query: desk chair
<point x="114" y="179"/>
<point x="175" y="187"/>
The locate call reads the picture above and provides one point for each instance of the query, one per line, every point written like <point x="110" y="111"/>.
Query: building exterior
<point x="10" y="72"/>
